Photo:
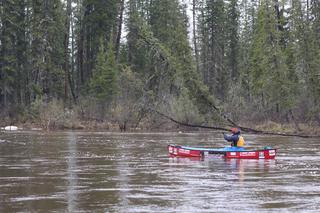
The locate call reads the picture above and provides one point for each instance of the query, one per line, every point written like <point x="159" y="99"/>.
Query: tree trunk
<point x="120" y="21"/>
<point x="296" y="124"/>
<point x="196" y="54"/>
<point x="66" y="49"/>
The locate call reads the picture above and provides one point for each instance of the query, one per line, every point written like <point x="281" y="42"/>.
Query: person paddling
<point x="236" y="139"/>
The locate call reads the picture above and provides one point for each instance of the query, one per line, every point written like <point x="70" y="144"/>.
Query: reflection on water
<point x="72" y="193"/>
<point x="243" y="167"/>
<point x="109" y="172"/>
<point x="239" y="168"/>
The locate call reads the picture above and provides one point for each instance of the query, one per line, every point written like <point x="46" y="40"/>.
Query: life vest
<point x="240" y="142"/>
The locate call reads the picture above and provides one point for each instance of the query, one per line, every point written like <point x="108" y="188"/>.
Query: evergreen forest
<point x="135" y="63"/>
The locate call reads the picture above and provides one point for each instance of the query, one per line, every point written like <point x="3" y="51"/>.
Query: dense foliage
<point x="198" y="61"/>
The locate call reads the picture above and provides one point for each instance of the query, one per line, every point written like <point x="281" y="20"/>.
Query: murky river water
<point x="113" y="172"/>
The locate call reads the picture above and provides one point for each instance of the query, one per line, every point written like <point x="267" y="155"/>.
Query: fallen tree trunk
<point x="245" y="129"/>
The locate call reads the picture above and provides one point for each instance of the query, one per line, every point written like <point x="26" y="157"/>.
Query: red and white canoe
<point x="227" y="152"/>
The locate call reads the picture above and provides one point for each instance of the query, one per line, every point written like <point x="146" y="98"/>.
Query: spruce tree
<point x="305" y="45"/>
<point x="232" y="39"/>
<point x="314" y="75"/>
<point x="8" y="64"/>
<point x="99" y="19"/>
<point x="268" y="69"/>
<point x="212" y="46"/>
<point x="103" y="84"/>
<point x="47" y="48"/>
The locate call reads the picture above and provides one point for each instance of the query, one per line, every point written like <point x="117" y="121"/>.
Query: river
<point x="132" y="172"/>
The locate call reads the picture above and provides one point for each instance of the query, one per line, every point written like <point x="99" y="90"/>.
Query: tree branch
<point x="245" y="129"/>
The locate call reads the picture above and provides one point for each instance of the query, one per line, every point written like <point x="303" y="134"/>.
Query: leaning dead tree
<point x="196" y="88"/>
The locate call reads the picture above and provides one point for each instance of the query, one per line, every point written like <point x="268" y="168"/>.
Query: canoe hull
<point x="181" y="151"/>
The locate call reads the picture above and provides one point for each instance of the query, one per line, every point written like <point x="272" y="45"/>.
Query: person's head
<point x="235" y="130"/>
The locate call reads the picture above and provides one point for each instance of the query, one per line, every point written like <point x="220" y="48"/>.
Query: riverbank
<point x="151" y="126"/>
<point x="305" y="129"/>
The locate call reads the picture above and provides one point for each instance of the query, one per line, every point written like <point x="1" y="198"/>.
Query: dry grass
<point x="271" y="126"/>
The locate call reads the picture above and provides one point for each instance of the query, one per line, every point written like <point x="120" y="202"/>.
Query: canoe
<point x="227" y="152"/>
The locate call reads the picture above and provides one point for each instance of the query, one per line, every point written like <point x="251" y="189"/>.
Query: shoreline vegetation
<point x="54" y="117"/>
<point x="269" y="126"/>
